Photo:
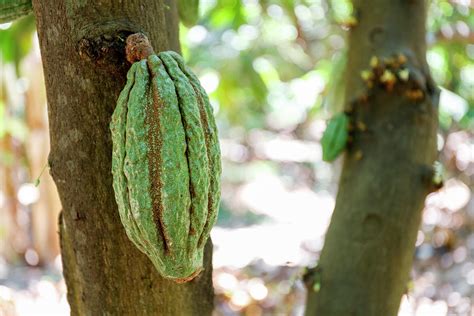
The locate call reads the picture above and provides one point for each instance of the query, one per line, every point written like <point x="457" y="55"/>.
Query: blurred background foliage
<point x="274" y="74"/>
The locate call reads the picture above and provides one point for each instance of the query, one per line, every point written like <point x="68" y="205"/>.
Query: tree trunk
<point x="387" y="173"/>
<point x="82" y="45"/>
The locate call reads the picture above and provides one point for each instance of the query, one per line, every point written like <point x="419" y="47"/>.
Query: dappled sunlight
<point x="453" y="196"/>
<point x="32" y="292"/>
<point x="275" y="244"/>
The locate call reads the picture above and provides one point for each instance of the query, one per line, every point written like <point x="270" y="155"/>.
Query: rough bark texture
<point x="83" y="55"/>
<point x="364" y="266"/>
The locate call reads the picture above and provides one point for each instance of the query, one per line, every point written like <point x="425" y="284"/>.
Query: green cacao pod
<point x="13" y="9"/>
<point x="166" y="164"/>
<point x="188" y="11"/>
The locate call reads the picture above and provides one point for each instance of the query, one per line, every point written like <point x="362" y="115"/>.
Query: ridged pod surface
<point x="13" y="9"/>
<point x="166" y="164"/>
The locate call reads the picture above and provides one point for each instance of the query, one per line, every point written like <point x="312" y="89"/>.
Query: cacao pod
<point x="166" y="164"/>
<point x="13" y="9"/>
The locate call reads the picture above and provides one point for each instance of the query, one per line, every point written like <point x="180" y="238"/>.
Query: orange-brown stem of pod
<point x="138" y="47"/>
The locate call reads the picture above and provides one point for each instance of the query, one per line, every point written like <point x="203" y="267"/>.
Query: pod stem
<point x="138" y="47"/>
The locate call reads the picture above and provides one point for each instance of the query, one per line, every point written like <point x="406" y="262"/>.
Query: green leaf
<point x="335" y="137"/>
<point x="15" y="41"/>
<point x="227" y="13"/>
<point x="188" y="12"/>
<point x="13" y="9"/>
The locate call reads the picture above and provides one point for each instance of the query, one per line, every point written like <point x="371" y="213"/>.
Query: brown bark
<point x="387" y="173"/>
<point x="83" y="55"/>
